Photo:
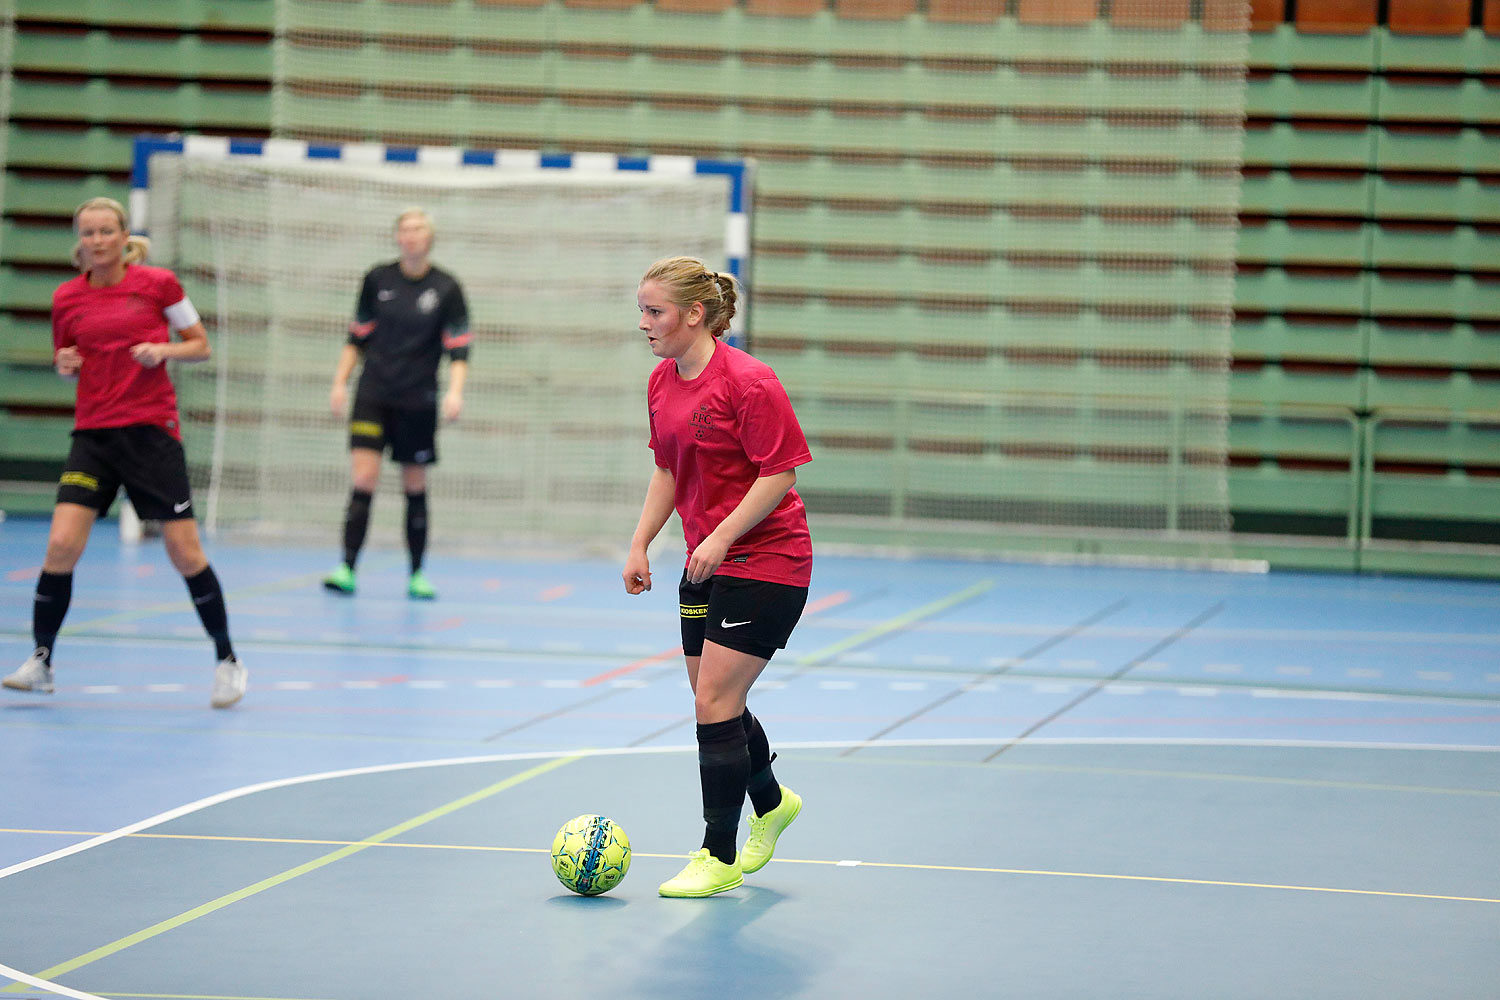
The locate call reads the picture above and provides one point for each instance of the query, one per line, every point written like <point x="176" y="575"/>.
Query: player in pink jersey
<point x="112" y="331"/>
<point x="727" y="446"/>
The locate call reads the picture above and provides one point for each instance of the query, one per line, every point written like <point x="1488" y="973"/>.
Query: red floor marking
<point x="553" y="593"/>
<point x="443" y="625"/>
<point x="631" y="668"/>
<point x="833" y="600"/>
<point x="23" y="574"/>
<point x="492" y="584"/>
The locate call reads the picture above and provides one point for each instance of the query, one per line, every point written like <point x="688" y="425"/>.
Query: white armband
<point x="181" y="315"/>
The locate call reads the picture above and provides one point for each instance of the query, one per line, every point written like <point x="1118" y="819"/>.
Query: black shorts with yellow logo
<point x="410" y="434"/>
<point x="751" y="616"/>
<point x="143" y="458"/>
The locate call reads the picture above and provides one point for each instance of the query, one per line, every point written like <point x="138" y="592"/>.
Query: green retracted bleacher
<point x="891" y="139"/>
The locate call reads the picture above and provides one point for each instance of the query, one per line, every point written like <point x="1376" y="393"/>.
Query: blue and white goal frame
<point x="740" y="174"/>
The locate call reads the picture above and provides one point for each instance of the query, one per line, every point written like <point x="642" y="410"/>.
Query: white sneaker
<point x="229" y="683"/>
<point x="34" y="675"/>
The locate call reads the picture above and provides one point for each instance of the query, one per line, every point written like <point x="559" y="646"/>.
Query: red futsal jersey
<point x="717" y="434"/>
<point x="115" y="390"/>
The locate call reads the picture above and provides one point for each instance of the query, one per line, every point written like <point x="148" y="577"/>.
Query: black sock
<point x="208" y="600"/>
<point x="416" y="528"/>
<point x="765" y="791"/>
<point x="54" y="591"/>
<point x="723" y="768"/>
<point x="356" y="523"/>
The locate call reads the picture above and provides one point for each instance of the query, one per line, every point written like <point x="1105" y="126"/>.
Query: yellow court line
<point x="1147" y="878"/>
<point x="270" y="587"/>
<point x="899" y="622"/>
<point x="1136" y="772"/>
<point x="371" y="842"/>
<point x="345" y="851"/>
<point x="256" y="590"/>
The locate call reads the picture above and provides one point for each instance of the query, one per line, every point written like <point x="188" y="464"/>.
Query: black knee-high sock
<point x="723" y="769"/>
<point x="54" y="591"/>
<point x="416" y="528"/>
<point x="208" y="599"/>
<point x="765" y="791"/>
<point x="356" y="523"/>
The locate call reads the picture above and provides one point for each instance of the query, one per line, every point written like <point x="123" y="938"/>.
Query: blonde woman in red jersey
<point x="112" y="331"/>
<point x="727" y="446"/>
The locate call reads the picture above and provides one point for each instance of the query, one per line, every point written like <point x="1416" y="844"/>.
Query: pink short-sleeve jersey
<point x="717" y="434"/>
<point x="115" y="390"/>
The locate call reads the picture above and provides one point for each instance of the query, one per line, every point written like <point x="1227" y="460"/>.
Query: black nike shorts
<point x="143" y="458"/>
<point x="752" y="616"/>
<point x="410" y="434"/>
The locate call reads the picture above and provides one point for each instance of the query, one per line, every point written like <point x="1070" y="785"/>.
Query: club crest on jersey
<point x="428" y="300"/>
<point x="702" y="421"/>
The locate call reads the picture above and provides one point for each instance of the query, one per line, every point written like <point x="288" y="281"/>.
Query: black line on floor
<point x="1102" y="684"/>
<point x="562" y="710"/>
<point x="978" y="679"/>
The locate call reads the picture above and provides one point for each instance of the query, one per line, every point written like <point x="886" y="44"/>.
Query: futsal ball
<point x="590" y="854"/>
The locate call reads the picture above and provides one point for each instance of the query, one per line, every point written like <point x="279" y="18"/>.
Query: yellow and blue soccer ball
<point x="590" y="854"/>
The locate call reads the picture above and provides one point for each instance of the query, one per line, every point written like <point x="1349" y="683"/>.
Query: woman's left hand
<point x="149" y="354"/>
<point x="453" y="405"/>
<point x="706" y="558"/>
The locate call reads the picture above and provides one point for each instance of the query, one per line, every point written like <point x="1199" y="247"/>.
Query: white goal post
<point x="271" y="239"/>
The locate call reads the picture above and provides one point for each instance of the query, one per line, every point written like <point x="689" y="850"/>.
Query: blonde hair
<point x="687" y="280"/>
<point x="136" y="246"/>
<point x="415" y="212"/>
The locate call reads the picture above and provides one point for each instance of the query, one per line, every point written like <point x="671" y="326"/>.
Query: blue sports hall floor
<point x="1021" y="780"/>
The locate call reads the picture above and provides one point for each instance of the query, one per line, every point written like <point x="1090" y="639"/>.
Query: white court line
<point x="975" y="741"/>
<point x="204" y="803"/>
<point x="47" y="985"/>
<point x="265" y="786"/>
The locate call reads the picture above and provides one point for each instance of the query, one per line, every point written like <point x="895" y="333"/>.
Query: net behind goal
<point x="271" y="241"/>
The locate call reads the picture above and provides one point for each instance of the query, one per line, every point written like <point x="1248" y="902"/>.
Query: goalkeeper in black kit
<point x="409" y="314"/>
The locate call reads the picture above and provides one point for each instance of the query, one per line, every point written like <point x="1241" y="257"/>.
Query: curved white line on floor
<point x="204" y="803"/>
<point x="264" y="786"/>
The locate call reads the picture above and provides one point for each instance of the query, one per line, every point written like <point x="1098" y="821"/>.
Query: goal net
<point x="995" y="242"/>
<point x="272" y="240"/>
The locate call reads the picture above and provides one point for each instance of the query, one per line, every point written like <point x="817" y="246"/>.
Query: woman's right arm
<point x="654" y="514"/>
<point x="66" y="359"/>
<point x="338" y="398"/>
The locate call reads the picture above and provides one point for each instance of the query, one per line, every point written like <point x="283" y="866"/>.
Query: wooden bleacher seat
<point x="1267" y="15"/>
<point x="1155" y="15"/>
<point x="784" y="8"/>
<point x="965" y="11"/>
<point x="1057" y="12"/>
<point x="1229" y="15"/>
<point x="1336" y="17"/>
<point x="1429" y="17"/>
<point x="874" y="10"/>
<point x="694" y="6"/>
